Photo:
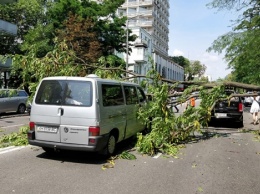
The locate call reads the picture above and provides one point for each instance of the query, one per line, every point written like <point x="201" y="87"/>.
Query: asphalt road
<point x="11" y="122"/>
<point x="225" y="162"/>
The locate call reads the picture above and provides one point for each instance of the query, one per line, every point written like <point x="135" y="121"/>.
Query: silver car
<point x="13" y="100"/>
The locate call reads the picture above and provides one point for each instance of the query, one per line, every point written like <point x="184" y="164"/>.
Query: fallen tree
<point x="167" y="131"/>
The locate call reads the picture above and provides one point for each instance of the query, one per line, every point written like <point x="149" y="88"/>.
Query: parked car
<point x="231" y="111"/>
<point x="13" y="100"/>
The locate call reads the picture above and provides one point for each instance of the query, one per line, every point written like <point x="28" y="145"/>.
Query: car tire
<point x="110" y="148"/>
<point x="21" y="109"/>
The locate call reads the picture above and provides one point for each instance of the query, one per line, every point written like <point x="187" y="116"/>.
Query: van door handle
<point x="60" y="111"/>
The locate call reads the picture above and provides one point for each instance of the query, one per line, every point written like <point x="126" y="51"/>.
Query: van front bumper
<point x="101" y="142"/>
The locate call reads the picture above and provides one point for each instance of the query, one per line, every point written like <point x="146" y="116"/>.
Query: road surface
<point x="225" y="162"/>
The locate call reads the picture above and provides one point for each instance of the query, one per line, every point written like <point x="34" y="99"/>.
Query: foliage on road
<point x="15" y="139"/>
<point x="169" y="132"/>
<point x="257" y="135"/>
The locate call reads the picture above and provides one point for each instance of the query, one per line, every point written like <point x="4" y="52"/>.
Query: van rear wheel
<point x="111" y="146"/>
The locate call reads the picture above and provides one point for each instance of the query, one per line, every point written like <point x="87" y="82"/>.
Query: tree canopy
<point x="192" y="69"/>
<point x="242" y="44"/>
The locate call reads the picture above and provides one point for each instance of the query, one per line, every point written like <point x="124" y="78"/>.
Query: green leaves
<point x="15" y="139"/>
<point x="242" y="44"/>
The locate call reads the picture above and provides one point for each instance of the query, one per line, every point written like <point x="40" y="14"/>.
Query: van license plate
<point x="47" y="129"/>
<point x="219" y="115"/>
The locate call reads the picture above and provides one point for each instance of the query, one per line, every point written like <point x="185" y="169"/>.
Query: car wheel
<point x="21" y="109"/>
<point x="111" y="146"/>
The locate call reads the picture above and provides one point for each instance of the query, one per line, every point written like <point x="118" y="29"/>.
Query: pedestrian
<point x="173" y="99"/>
<point x="254" y="110"/>
<point x="191" y="102"/>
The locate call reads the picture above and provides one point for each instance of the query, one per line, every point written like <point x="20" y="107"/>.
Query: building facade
<point x="153" y="17"/>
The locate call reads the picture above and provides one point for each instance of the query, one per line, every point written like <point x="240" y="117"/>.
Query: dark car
<point x="231" y="111"/>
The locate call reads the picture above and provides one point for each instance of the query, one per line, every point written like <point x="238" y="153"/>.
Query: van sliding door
<point x="133" y="125"/>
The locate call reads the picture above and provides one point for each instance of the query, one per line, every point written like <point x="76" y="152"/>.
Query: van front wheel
<point x="111" y="146"/>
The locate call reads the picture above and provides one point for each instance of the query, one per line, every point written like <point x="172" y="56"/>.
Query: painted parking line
<point x="10" y="149"/>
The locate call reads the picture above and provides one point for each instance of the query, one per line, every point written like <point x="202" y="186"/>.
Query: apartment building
<point x="153" y="17"/>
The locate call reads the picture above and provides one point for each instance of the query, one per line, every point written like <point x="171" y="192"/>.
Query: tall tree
<point x="82" y="38"/>
<point x="195" y="69"/>
<point x="109" y="27"/>
<point x="242" y="45"/>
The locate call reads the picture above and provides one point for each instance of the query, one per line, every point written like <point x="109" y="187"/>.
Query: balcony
<point x="140" y="43"/>
<point x="139" y="55"/>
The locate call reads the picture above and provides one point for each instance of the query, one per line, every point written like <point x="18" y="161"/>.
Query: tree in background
<point x="180" y="60"/>
<point x="242" y="45"/>
<point x="81" y="37"/>
<point x="39" y="22"/>
<point x="109" y="28"/>
<point x="192" y="69"/>
<point x="83" y="24"/>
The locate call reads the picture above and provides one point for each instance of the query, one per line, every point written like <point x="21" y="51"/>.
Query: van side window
<point x="131" y="95"/>
<point x="112" y="95"/>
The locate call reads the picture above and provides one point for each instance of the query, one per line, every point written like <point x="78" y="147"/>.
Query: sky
<point x="192" y="30"/>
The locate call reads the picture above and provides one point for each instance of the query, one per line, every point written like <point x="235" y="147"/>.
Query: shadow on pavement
<point x="86" y="157"/>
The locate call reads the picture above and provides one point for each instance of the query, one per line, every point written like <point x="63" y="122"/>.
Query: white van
<point x="84" y="113"/>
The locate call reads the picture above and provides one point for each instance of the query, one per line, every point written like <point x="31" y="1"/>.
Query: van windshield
<point x="65" y="92"/>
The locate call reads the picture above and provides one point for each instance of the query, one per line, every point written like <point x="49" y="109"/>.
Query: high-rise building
<point x="153" y="17"/>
